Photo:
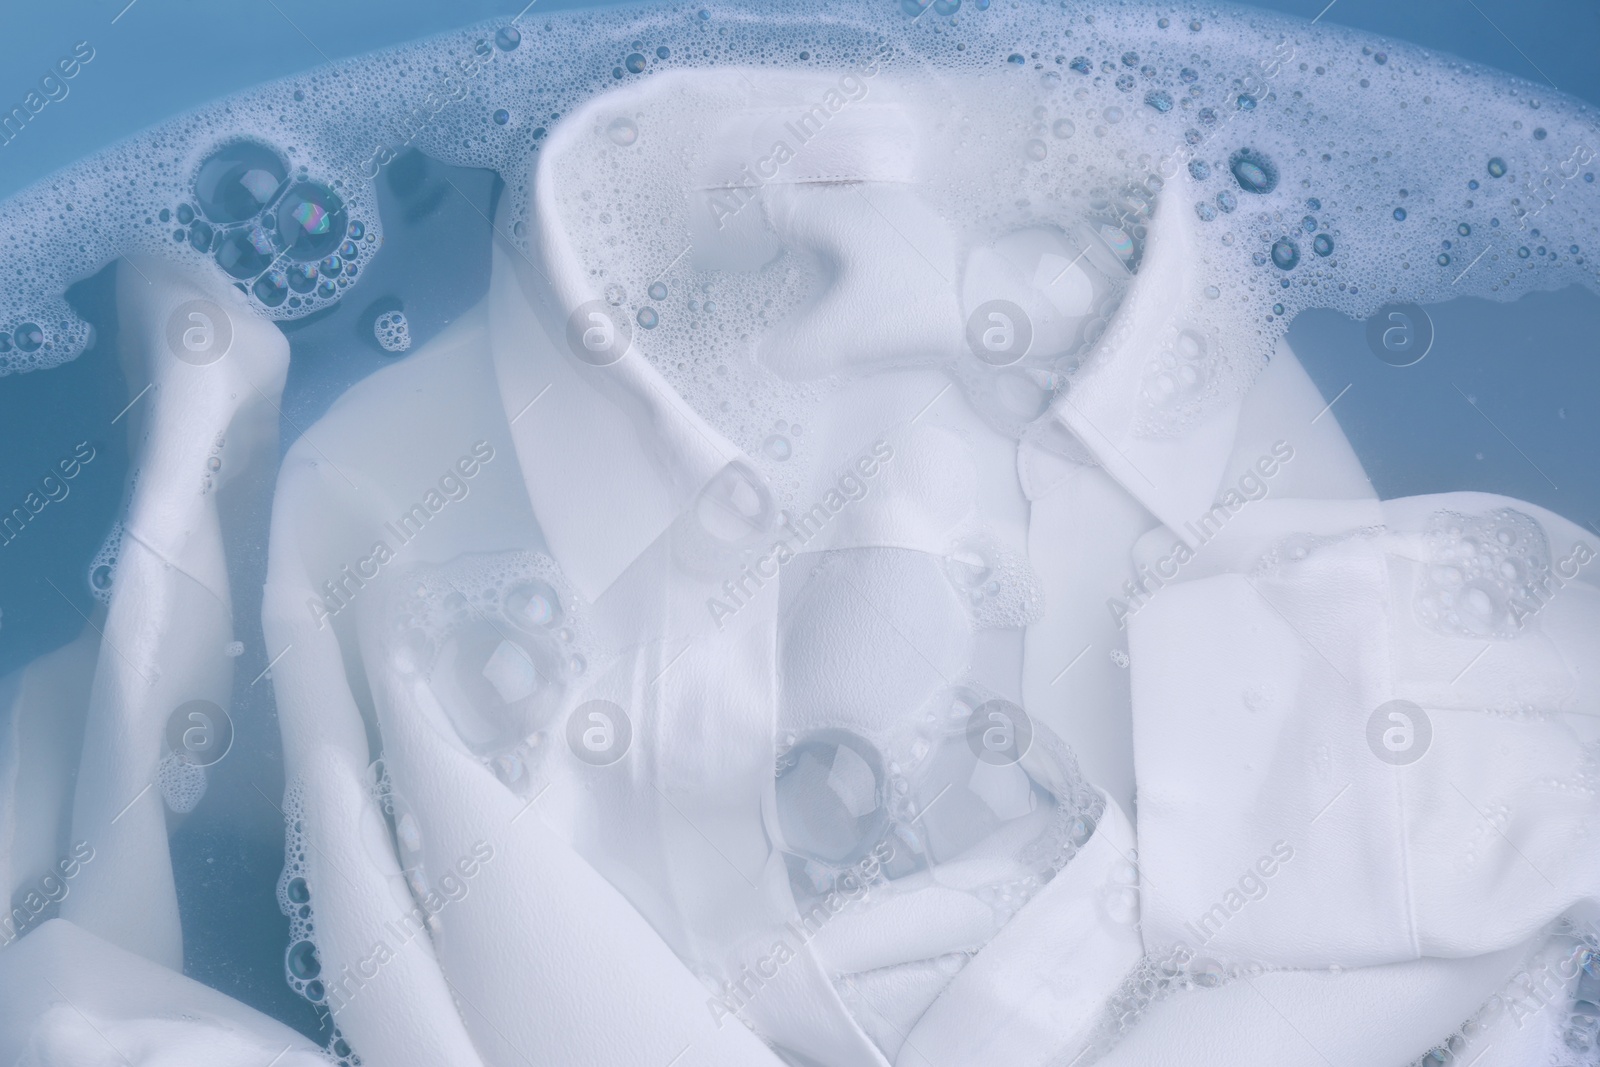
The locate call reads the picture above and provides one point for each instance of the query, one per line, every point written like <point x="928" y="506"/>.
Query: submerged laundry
<point x="866" y="584"/>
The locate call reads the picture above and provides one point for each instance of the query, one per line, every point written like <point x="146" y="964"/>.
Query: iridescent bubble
<point x="311" y="220"/>
<point x="1246" y="102"/>
<point x="635" y="63"/>
<point x="658" y="290"/>
<point x="648" y="318"/>
<point x="272" y="288"/>
<point x="1285" y="254"/>
<point x="1205" y="211"/>
<point x="1322" y="245"/>
<point x="663" y="52"/>
<point x="501" y="116"/>
<point x="1497" y="167"/>
<point x="777" y="447"/>
<point x="534" y="605"/>
<point x="1399" y="214"/>
<point x="1309" y="224"/>
<point x="1226" y="201"/>
<point x="1254" y="172"/>
<point x="1159" y="99"/>
<point x="1080" y="64"/>
<point x="1015" y="58"/>
<point x="1464" y="229"/>
<point x="302" y="277"/>
<point x="1199" y="170"/>
<point x="237" y="181"/>
<point x="622" y="131"/>
<point x="506" y="38"/>
<point x="246" y="252"/>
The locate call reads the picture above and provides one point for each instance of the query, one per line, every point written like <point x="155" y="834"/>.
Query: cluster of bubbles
<point x="1000" y="588"/>
<point x="182" y="783"/>
<point x="284" y="240"/>
<point x="213" y="463"/>
<point x="501" y="638"/>
<point x="392" y="331"/>
<point x="1320" y="108"/>
<point x="103" y="567"/>
<point x="1158" y="975"/>
<point x="301" y="963"/>
<point x="1486" y="574"/>
<point x="1578" y="1028"/>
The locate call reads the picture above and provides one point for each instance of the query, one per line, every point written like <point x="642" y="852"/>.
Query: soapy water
<point x="1325" y="176"/>
<point x="1316" y="171"/>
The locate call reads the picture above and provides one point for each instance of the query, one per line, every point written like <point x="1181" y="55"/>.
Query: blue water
<point x="1505" y="401"/>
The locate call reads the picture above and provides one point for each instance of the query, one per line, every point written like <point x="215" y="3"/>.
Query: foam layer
<point x="1330" y="168"/>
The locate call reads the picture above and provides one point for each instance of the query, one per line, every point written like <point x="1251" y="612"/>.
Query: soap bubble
<point x="507" y="38"/>
<point x="623" y="131"/>
<point x="302" y="960"/>
<point x="534" y="605"/>
<point x="1285" y="254"/>
<point x="237" y="181"/>
<point x="1254" y="172"/>
<point x="312" y="220"/>
<point x="831" y="800"/>
<point x="246" y="252"/>
<point x="392" y="331"/>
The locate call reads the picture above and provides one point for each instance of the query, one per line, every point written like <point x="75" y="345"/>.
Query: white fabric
<point x="1256" y="733"/>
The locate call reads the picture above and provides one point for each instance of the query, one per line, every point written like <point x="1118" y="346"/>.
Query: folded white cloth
<point x="1289" y="812"/>
<point x="205" y="420"/>
<point x="73" y="1000"/>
